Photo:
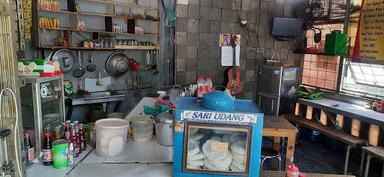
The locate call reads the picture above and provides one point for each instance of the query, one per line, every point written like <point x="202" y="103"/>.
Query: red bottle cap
<point x="293" y="168"/>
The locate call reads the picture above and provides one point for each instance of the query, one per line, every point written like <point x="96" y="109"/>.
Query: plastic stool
<point x="269" y="153"/>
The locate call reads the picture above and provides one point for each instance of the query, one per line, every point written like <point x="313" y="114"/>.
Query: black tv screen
<point x="287" y="27"/>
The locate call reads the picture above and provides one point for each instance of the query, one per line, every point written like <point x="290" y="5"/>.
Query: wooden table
<point x="282" y="174"/>
<point x="279" y="127"/>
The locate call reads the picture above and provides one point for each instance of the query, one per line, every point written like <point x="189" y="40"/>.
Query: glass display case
<point x="42" y="105"/>
<point x="212" y="143"/>
<point x="217" y="149"/>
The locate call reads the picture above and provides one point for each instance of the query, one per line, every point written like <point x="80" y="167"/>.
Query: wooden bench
<point x="338" y="135"/>
<point x="372" y="151"/>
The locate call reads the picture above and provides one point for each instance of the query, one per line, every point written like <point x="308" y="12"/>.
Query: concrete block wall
<point x="198" y="27"/>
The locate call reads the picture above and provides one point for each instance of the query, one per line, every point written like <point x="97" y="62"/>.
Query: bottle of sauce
<point x="76" y="146"/>
<point x="67" y="131"/>
<point x="29" y="149"/>
<point x="47" y="157"/>
<point x="292" y="171"/>
<point x="82" y="138"/>
<point x="78" y="143"/>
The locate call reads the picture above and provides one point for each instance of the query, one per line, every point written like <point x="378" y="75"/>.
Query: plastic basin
<point x="111" y="137"/>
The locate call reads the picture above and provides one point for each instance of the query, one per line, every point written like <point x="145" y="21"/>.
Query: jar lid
<point x="218" y="101"/>
<point x="165" y="117"/>
<point x="141" y="119"/>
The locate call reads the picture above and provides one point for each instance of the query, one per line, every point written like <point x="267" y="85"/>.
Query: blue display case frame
<point x="246" y="113"/>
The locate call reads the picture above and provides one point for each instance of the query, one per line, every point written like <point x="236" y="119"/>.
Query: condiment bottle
<point x="29" y="149"/>
<point x="67" y="131"/>
<point x="47" y="157"/>
<point x="82" y="138"/>
<point x="292" y="171"/>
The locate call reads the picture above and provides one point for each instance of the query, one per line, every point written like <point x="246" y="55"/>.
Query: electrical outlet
<point x="260" y="50"/>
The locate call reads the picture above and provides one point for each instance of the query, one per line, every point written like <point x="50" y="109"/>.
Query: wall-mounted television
<point x="287" y="27"/>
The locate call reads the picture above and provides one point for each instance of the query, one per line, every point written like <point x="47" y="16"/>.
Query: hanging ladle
<point x="91" y="66"/>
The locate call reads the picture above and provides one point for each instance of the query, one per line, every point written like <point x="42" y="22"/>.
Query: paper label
<point x="179" y="127"/>
<point x="219" y="117"/>
<point x="219" y="147"/>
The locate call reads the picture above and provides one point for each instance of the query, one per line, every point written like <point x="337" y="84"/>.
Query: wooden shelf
<point x="127" y="17"/>
<point x="127" y="47"/>
<point x="78" y="13"/>
<point x="121" y="4"/>
<point x="97" y="14"/>
<point x="116" y="48"/>
<point x="98" y="31"/>
<point x="318" y="53"/>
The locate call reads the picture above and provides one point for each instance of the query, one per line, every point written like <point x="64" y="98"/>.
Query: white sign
<point x="219" y="117"/>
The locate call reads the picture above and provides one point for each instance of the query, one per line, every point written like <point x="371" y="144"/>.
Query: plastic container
<point x="142" y="128"/>
<point x="60" y="151"/>
<point x="336" y="43"/>
<point x="111" y="137"/>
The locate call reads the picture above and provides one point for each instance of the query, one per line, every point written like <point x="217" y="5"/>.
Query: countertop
<point x="346" y="109"/>
<point x="39" y="170"/>
<point x="97" y="97"/>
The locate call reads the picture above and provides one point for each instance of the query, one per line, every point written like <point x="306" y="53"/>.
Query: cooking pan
<point x="117" y="64"/>
<point x="65" y="58"/>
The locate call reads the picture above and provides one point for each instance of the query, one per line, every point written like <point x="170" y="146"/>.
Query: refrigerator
<point x="277" y="86"/>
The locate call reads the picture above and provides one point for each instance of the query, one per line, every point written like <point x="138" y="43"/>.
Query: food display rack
<point x="217" y="144"/>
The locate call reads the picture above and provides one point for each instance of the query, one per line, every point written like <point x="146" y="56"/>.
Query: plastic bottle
<point x="292" y="171"/>
<point x="71" y="154"/>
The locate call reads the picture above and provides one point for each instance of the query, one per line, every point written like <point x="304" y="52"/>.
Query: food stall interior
<point x="191" y="88"/>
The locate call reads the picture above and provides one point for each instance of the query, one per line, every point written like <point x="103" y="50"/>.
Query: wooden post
<point x="309" y="112"/>
<point x="355" y="128"/>
<point x="297" y="109"/>
<point x="340" y="120"/>
<point x="323" y="118"/>
<point x="374" y="132"/>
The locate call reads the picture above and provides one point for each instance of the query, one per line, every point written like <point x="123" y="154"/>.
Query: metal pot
<point x="164" y="123"/>
<point x="117" y="64"/>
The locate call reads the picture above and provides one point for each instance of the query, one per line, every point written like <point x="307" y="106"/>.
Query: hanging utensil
<point x="65" y="58"/>
<point x="91" y="66"/>
<point x="80" y="71"/>
<point x="117" y="64"/>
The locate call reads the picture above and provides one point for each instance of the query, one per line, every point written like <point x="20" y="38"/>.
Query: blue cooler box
<point x="217" y="144"/>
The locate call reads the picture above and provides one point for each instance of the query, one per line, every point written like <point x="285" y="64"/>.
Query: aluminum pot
<point x="164" y="123"/>
<point x="117" y="64"/>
